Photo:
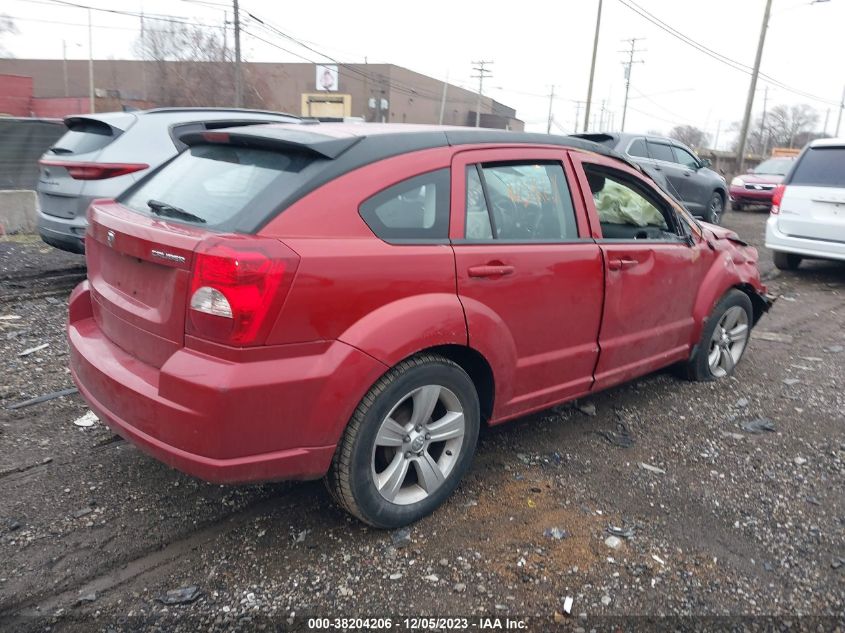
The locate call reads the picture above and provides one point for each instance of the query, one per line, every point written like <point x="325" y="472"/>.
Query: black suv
<point x="675" y="166"/>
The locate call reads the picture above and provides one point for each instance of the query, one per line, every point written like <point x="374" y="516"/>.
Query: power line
<point x="147" y="16"/>
<point x="732" y="63"/>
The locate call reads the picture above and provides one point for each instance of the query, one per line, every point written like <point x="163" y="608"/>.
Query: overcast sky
<point x="532" y="43"/>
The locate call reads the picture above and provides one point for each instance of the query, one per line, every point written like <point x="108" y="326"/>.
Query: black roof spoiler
<point x="281" y="138"/>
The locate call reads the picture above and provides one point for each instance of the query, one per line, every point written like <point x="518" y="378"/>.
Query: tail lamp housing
<point x="777" y="198"/>
<point x="93" y="171"/>
<point x="238" y="285"/>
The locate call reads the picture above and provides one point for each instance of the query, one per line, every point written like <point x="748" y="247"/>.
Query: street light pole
<point x="592" y="68"/>
<point x="746" y="119"/>
<point x="239" y="87"/>
<point x="839" y="118"/>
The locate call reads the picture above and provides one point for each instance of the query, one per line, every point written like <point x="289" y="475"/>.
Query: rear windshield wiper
<point x="61" y="150"/>
<point x="164" y="209"/>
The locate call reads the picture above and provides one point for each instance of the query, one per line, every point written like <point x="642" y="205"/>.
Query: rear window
<point x="212" y="184"/>
<point x="820" y="167"/>
<point x="83" y="137"/>
<point x="414" y="209"/>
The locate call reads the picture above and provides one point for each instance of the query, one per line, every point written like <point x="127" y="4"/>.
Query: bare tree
<point x="7" y="27"/>
<point x="690" y="136"/>
<point x="783" y="126"/>
<point x="193" y="67"/>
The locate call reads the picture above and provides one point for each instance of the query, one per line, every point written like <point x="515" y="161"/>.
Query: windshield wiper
<point x="164" y="209"/>
<point x="61" y="150"/>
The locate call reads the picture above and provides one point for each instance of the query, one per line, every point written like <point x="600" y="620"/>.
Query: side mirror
<point x="705" y="162"/>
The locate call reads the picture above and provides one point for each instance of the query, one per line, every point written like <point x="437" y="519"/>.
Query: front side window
<point x="414" y="209"/>
<point x="686" y="159"/>
<point x="519" y="202"/>
<point x="625" y="208"/>
<point x="661" y="151"/>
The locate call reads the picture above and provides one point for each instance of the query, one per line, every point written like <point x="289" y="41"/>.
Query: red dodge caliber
<point x="353" y="301"/>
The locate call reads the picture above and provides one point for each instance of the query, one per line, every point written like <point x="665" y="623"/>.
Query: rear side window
<point x="638" y="148"/>
<point x="820" y="167"/>
<point x="84" y="137"/>
<point x="659" y="151"/>
<point x="520" y="202"/>
<point x="414" y="209"/>
<point x="212" y="184"/>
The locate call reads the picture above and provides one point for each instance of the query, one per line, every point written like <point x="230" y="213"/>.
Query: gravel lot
<point x="728" y="518"/>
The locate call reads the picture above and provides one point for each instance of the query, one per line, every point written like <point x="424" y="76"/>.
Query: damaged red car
<point x="354" y="301"/>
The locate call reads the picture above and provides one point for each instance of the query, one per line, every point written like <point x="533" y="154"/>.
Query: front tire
<point x="724" y="338"/>
<point x="715" y="207"/>
<point x="786" y="261"/>
<point x="408" y="444"/>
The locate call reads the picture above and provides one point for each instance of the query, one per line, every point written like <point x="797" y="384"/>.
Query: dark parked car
<point x="101" y="154"/>
<point x="676" y="167"/>
<point x="758" y="186"/>
<point x="354" y="300"/>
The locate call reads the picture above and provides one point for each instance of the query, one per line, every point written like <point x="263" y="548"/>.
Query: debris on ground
<point x="89" y="419"/>
<point x="47" y="396"/>
<point x="401" y="538"/>
<point x="621" y="532"/>
<point x="88" y="597"/>
<point x="620" y="437"/>
<point x="613" y="542"/>
<point x="834" y="349"/>
<point x="799" y="461"/>
<point x="183" y="595"/>
<point x="652" y="469"/>
<point x="555" y="533"/>
<point x="774" y="337"/>
<point x="790" y="381"/>
<point x="587" y="408"/>
<point x="82" y="512"/>
<point x="32" y="350"/>
<point x="758" y="425"/>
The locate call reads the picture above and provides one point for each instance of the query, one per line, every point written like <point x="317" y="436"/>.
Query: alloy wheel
<point x="728" y="341"/>
<point x="418" y="444"/>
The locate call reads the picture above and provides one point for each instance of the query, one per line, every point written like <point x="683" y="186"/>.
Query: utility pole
<point x="763" y="136"/>
<point x="143" y="57"/>
<point x="718" y="129"/>
<point x="578" y="117"/>
<point x="839" y="118"/>
<point x="602" y="124"/>
<point x="628" y="64"/>
<point x="90" y="65"/>
<point x="64" y="66"/>
<point x="592" y="68"/>
<point x="443" y="99"/>
<point x="482" y="73"/>
<point x="746" y="119"/>
<point x="551" y="103"/>
<point x="239" y="87"/>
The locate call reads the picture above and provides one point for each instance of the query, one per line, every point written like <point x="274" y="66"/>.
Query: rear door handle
<point x="490" y="270"/>
<point x="621" y="264"/>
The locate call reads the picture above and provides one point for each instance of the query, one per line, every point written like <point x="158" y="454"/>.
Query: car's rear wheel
<point x="786" y="261"/>
<point x="715" y="207"/>
<point x="408" y="443"/>
<point x="723" y="339"/>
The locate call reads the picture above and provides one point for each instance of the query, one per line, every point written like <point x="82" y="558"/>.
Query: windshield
<point x="211" y="184"/>
<point x="774" y="166"/>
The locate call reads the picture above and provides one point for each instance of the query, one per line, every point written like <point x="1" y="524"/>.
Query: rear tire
<point x="715" y="207"/>
<point x="408" y="444"/>
<point x="786" y="261"/>
<point x="724" y="339"/>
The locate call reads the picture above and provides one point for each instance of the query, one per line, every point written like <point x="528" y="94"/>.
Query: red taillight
<point x="237" y="287"/>
<point x="93" y="171"/>
<point x="777" y="197"/>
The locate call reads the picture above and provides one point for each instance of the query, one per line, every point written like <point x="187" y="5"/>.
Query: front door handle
<point x="490" y="270"/>
<point x="621" y="263"/>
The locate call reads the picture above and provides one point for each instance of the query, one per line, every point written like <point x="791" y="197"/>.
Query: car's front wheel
<point x="715" y="207"/>
<point x="408" y="443"/>
<point x="786" y="261"/>
<point x="723" y="339"/>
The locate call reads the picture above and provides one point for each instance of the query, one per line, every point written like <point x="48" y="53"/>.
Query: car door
<point x="654" y="265"/>
<point x="529" y="274"/>
<point x="696" y="189"/>
<point x="665" y="165"/>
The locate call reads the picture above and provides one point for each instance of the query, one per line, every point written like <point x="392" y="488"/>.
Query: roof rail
<point x="216" y="109"/>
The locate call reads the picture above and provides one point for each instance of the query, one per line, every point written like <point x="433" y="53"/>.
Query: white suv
<point x="808" y="209"/>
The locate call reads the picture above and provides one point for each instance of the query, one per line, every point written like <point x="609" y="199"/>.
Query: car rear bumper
<point x="807" y="247"/>
<point x="277" y="416"/>
<point x="66" y="234"/>
<point x="750" y="196"/>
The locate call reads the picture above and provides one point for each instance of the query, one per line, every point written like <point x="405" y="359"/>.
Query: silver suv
<point x="102" y="154"/>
